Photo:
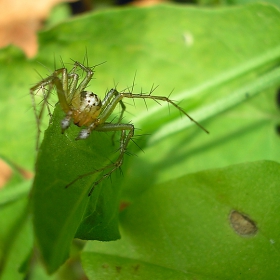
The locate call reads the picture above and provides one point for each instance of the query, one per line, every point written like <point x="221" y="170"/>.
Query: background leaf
<point x="215" y="59"/>
<point x="15" y="238"/>
<point x="182" y="226"/>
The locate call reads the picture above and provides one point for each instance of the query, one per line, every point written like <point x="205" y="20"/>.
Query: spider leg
<point x="73" y="77"/>
<point x="59" y="79"/>
<point x="46" y="94"/>
<point x="127" y="132"/>
<point x="61" y="85"/>
<point x="48" y="83"/>
<point x="162" y="98"/>
<point x="75" y="90"/>
<point x="83" y="84"/>
<point x="123" y="107"/>
<point x="124" y="141"/>
<point x="38" y="115"/>
<point x="106" y="101"/>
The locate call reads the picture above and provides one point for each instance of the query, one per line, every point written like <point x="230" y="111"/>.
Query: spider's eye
<point x="89" y="99"/>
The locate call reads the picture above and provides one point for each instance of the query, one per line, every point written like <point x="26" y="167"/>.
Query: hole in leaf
<point x="242" y="224"/>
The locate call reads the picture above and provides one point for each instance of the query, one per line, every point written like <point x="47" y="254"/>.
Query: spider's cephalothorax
<point x="86" y="109"/>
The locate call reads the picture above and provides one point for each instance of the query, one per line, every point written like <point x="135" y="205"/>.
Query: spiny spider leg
<point x="42" y="85"/>
<point x="45" y="103"/>
<point x="106" y="101"/>
<point x="74" y="78"/>
<point x="162" y="98"/>
<point x="86" y="80"/>
<point x="38" y="115"/>
<point x="124" y="141"/>
<point x="84" y="83"/>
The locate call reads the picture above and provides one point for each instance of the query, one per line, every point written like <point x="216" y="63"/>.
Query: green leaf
<point x="16" y="237"/>
<point x="14" y="193"/>
<point x="183" y="226"/>
<point x="62" y="213"/>
<point x="240" y="2"/>
<point x="18" y="130"/>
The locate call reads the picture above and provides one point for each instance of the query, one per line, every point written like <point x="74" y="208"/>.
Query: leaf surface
<point x="185" y="225"/>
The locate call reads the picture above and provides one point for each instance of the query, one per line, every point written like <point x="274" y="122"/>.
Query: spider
<point x="85" y="109"/>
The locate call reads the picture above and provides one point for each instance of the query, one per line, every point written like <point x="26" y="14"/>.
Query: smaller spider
<point x="87" y="110"/>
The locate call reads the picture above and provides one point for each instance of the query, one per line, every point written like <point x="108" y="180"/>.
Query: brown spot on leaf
<point x="123" y="205"/>
<point x="242" y="224"/>
<point x="105" y="265"/>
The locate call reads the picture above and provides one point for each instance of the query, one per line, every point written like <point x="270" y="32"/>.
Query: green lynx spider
<point x="87" y="110"/>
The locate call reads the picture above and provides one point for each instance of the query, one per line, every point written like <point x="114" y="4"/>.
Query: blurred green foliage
<point x="224" y="66"/>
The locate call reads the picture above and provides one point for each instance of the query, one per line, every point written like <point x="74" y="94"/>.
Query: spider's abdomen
<point x="87" y="109"/>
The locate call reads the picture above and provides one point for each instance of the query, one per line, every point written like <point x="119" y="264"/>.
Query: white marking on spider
<point x="89" y="100"/>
